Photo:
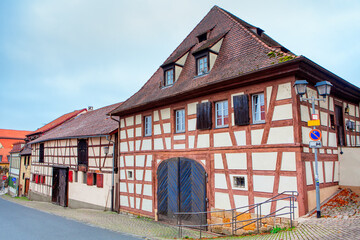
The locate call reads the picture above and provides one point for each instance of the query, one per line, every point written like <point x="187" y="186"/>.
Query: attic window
<point x="169" y="77"/>
<point x="202" y="37"/>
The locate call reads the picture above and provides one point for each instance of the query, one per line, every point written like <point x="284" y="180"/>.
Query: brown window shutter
<point x="203" y="116"/>
<point x="99" y="180"/>
<point x="241" y="110"/>
<point x="89" y="179"/>
<point x="42" y="179"/>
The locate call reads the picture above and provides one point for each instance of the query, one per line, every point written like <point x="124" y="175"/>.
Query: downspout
<point x="112" y="173"/>
<point x="113" y="167"/>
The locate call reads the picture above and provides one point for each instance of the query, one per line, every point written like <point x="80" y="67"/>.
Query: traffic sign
<point x="315" y="135"/>
<point x="13" y="180"/>
<point x="315" y="144"/>
<point x="314" y="123"/>
<point x="315" y="116"/>
<point x="4" y="177"/>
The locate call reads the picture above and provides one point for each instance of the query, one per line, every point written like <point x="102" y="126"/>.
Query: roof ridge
<point x="234" y="18"/>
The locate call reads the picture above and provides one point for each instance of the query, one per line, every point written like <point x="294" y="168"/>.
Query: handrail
<point x="257" y="206"/>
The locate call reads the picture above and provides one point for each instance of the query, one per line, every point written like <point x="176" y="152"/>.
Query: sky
<point x="59" y="56"/>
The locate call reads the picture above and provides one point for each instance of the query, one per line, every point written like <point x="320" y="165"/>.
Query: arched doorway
<point x="181" y="188"/>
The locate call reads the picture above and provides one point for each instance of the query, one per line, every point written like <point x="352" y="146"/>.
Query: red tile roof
<point x="17" y="147"/>
<point x="13" y="134"/>
<point x="244" y="49"/>
<point x="91" y="123"/>
<point x="57" y="122"/>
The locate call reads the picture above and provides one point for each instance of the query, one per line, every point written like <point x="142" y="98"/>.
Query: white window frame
<point x="180" y="121"/>
<point x="240" y="187"/>
<point x="167" y="74"/>
<point x="147" y="126"/>
<point x="223" y="108"/>
<point x="257" y="100"/>
<point x="202" y="66"/>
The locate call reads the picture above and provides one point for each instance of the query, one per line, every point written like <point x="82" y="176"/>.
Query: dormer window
<point x="202" y="37"/>
<point x="202" y="65"/>
<point x="169" y="77"/>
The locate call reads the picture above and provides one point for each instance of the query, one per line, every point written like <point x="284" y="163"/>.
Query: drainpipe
<point x="112" y="173"/>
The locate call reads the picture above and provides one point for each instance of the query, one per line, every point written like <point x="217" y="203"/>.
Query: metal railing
<point x="255" y="209"/>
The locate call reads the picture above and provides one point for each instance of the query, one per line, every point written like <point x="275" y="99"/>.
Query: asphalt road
<point x="19" y="222"/>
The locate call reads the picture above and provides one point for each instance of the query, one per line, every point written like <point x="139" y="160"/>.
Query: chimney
<point x="90" y="108"/>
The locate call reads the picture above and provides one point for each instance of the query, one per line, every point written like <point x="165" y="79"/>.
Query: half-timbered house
<point x="72" y="165"/>
<point x="219" y="125"/>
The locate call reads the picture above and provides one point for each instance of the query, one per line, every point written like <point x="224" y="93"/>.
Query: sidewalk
<point x="308" y="228"/>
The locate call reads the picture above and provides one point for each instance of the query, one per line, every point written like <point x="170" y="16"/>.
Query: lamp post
<point x="323" y="89"/>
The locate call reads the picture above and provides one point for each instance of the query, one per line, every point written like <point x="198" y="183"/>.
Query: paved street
<point x="42" y="225"/>
<point x="19" y="222"/>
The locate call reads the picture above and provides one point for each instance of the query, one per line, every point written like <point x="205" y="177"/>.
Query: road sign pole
<point x="317" y="187"/>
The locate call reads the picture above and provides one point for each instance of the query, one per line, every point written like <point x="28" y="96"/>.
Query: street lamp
<point x="323" y="89"/>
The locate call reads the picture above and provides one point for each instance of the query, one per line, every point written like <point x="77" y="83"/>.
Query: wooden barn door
<point x="60" y="186"/>
<point x="181" y="188"/>
<point x="27" y="184"/>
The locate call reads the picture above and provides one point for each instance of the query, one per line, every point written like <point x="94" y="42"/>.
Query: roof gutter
<point x="73" y="137"/>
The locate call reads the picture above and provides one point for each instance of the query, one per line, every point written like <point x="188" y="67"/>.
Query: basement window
<point x="239" y="182"/>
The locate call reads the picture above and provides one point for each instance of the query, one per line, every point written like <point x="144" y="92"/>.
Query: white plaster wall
<point x="129" y="121"/>
<point x="167" y="127"/>
<point x="349" y="167"/>
<point x="222" y="140"/>
<point x="191" y="141"/>
<point x="280" y="135"/>
<point x="220" y="181"/>
<point x="222" y="201"/>
<point x="288" y="161"/>
<point x="256" y="136"/>
<point x="123" y="147"/>
<point x="191" y="108"/>
<point x="324" y="104"/>
<point x="147" y="205"/>
<point x="124" y="201"/>
<point x="157" y="129"/>
<point x="331" y="104"/>
<point x="158" y="144"/>
<point x="138" y="119"/>
<point x="165" y="113"/>
<point x="284" y="91"/>
<point x="168" y="142"/>
<point x="240" y="137"/>
<point x="122" y="134"/>
<point x="282" y="204"/>
<point x="179" y="137"/>
<point x="137" y="145"/>
<point x="192" y="124"/>
<point x="241" y="201"/>
<point x="91" y="194"/>
<point x="203" y="141"/>
<point x="304" y="113"/>
<point x="147" y="190"/>
<point x="146" y="145"/>
<point x="328" y="171"/>
<point x="323" y="118"/>
<point x="332" y="139"/>
<point x="263" y="183"/>
<point x="218" y="161"/>
<point x="264" y="160"/>
<point x="156" y="116"/>
<point x="282" y="112"/>
<point x="138" y="132"/>
<point x="268" y="96"/>
<point x="179" y="146"/>
<point x="287" y="184"/>
<point x="236" y="160"/>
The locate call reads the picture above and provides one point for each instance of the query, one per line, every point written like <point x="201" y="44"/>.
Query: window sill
<point x="201" y="75"/>
<point x="179" y="132"/>
<point x="220" y="127"/>
<point x="255" y="123"/>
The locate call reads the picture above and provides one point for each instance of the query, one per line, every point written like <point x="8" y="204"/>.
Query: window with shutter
<point x="258" y="108"/>
<point x="70" y="176"/>
<point x="204" y="116"/>
<point x="241" y="110"/>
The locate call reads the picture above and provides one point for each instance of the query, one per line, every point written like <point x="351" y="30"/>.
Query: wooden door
<point x="340" y="125"/>
<point x="63" y="180"/>
<point x="27" y="184"/>
<point x="181" y="188"/>
<point x="60" y="186"/>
